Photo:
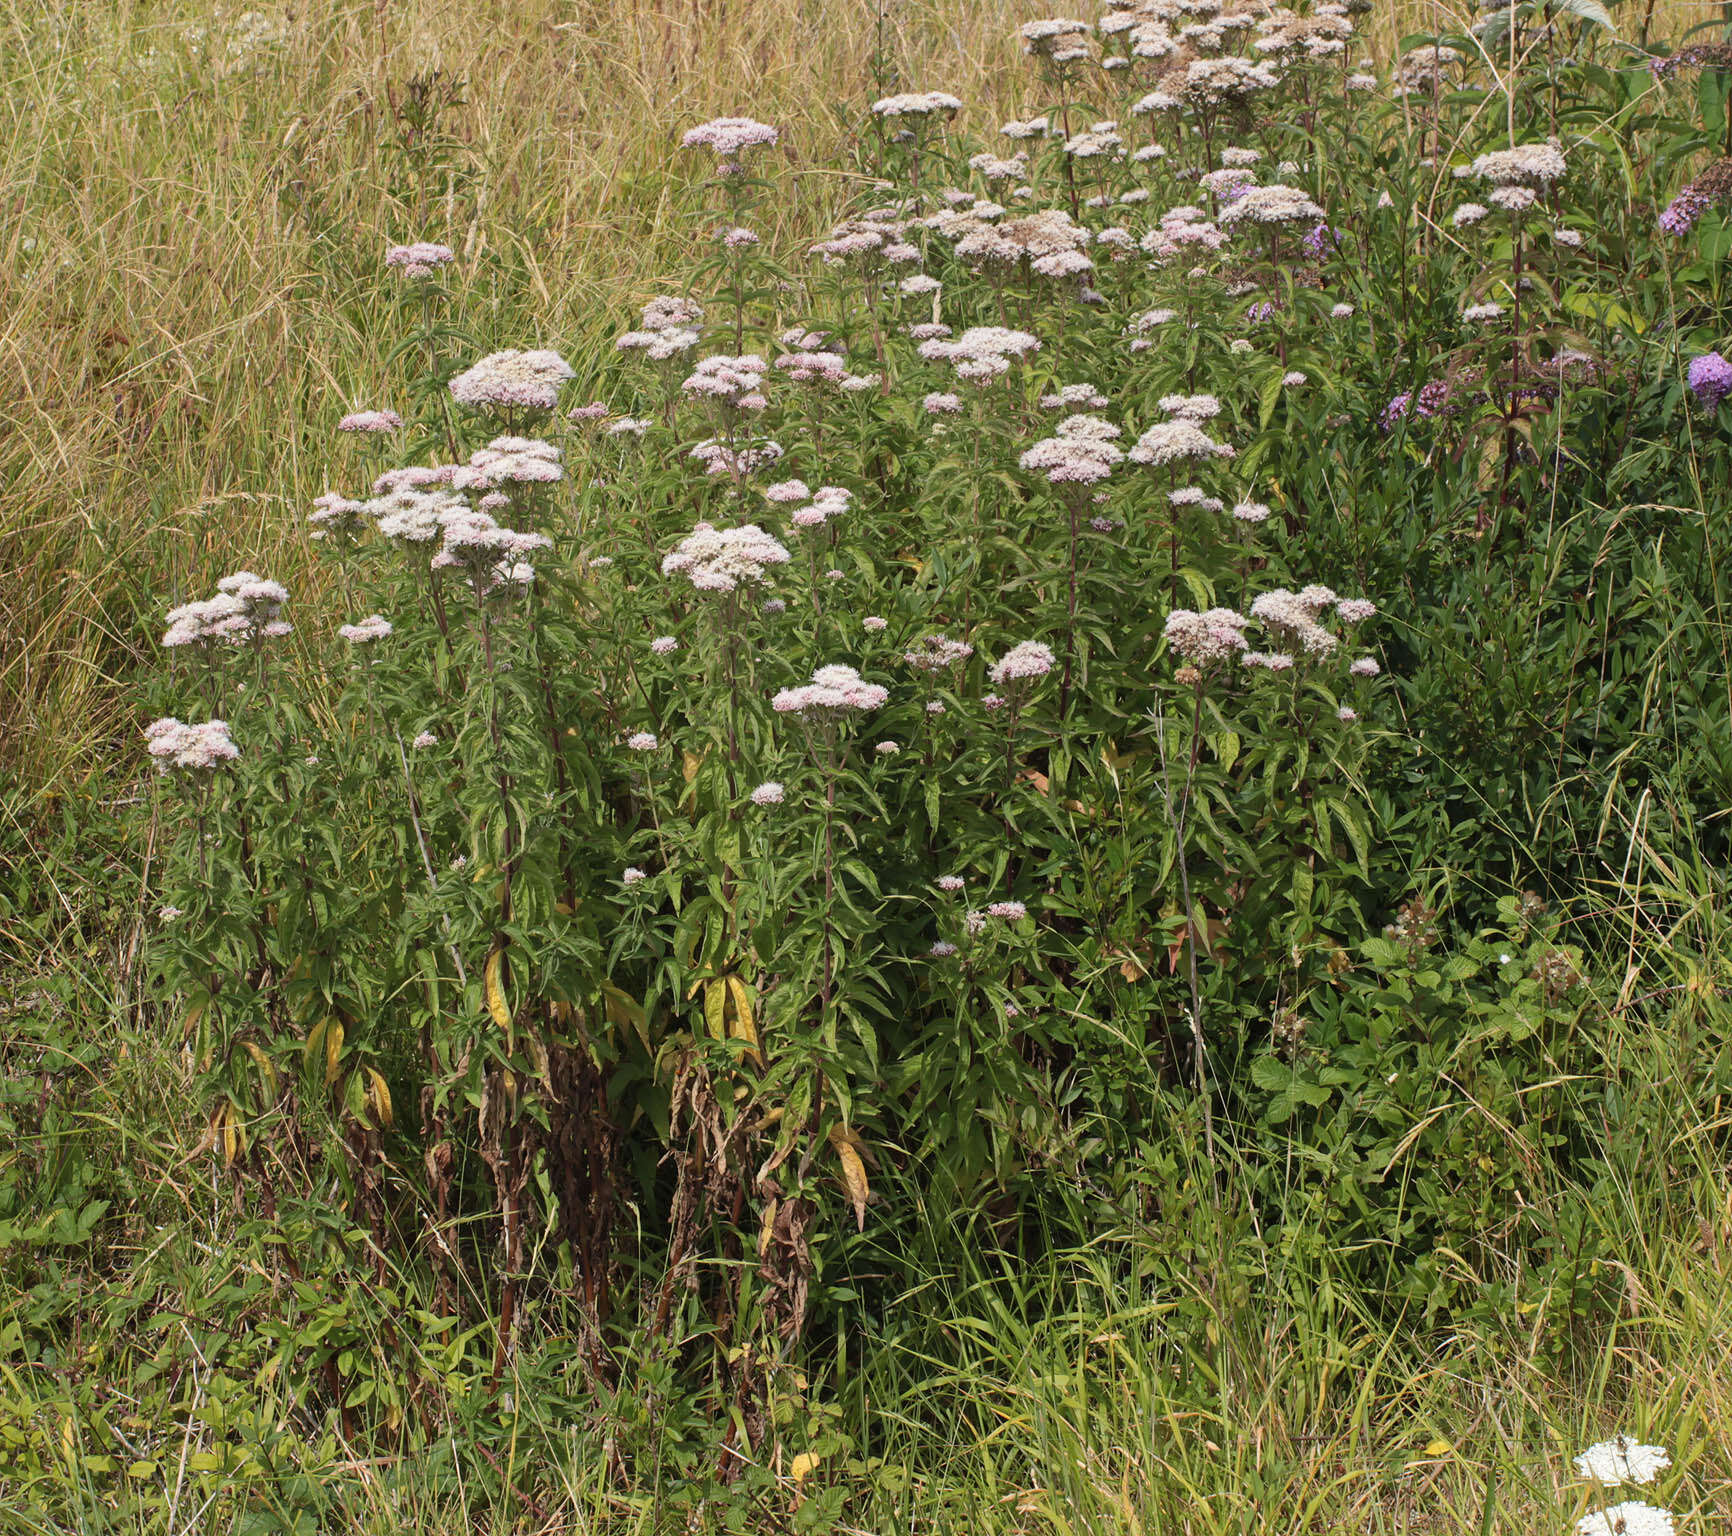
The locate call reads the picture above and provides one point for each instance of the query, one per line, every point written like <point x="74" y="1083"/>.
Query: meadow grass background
<point x="192" y="216"/>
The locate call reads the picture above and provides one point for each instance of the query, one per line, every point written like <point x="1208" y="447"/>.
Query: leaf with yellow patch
<point x="715" y="1008"/>
<point x="313" y="1044"/>
<point x="266" y="1069"/>
<point x="333" y="1049"/>
<point x="742" y="1026"/>
<point x="622" y="1008"/>
<point x="379" y="1097"/>
<point x="494" y="986"/>
<point x="853" y="1174"/>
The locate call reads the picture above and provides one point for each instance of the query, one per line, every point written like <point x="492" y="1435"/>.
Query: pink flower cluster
<point x="200" y="747"/>
<point x="419" y="259"/>
<point x="513" y="380"/>
<point x="370" y="421"/>
<point x="1081" y="452"/>
<point x="730" y="137"/>
<point x="1022" y="663"/>
<point x="736" y="381"/>
<point x="722" y="559"/>
<point x="246" y="607"/>
<point x="834" y="689"/>
<point x="508" y="460"/>
<point x="1205" y="638"/>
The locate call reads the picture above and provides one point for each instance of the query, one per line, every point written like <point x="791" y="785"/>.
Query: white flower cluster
<point x="246" y="607"/>
<point x="1224" y="81"/>
<point x="1181" y="230"/>
<point x="1080" y="452"/>
<point x="1102" y="141"/>
<point x="918" y="104"/>
<point x="335" y="513"/>
<point x="412" y="516"/>
<point x="1022" y="663"/>
<point x="812" y="362"/>
<point x="1170" y="442"/>
<point x="1205" y="638"/>
<point x="374" y="627"/>
<point x="419" y="259"/>
<point x="1071" y="395"/>
<point x="936" y="652"/>
<point x="513" y="380"/>
<point x="833" y="690"/>
<point x="1292" y="617"/>
<point x="490" y="554"/>
<point x="995" y="168"/>
<point x="981" y="353"/>
<point x="1060" y="39"/>
<point x="729" y="137"/>
<point x="669" y="327"/>
<point x="509" y="460"/>
<point x="827" y="501"/>
<point x="721" y="458"/>
<point x="1612" y="1464"/>
<point x="177" y="745"/>
<point x="722" y="559"/>
<point x="1527" y="165"/>
<point x="736" y="381"/>
<point x="1270" y="205"/>
<point x="1620" y="1460"/>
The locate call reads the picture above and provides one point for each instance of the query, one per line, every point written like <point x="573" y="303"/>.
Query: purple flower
<point x="1683" y="211"/>
<point x="1710" y="379"/>
<point x="1433" y="396"/>
<point x="1395" y="411"/>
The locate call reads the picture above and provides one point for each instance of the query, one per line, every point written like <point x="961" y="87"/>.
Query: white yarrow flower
<point x="1615" y="1462"/>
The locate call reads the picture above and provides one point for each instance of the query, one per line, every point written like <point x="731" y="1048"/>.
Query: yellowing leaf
<point x="853" y="1174"/>
<point x="802" y="1466"/>
<point x="495" y="989"/>
<point x="379" y="1097"/>
<point x="333" y="1049"/>
<point x="622" y="1008"/>
<point x="743" y="1027"/>
<point x="715" y="1007"/>
<point x="266" y="1069"/>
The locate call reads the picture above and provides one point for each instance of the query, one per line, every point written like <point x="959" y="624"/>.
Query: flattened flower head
<point x="1023" y="663"/>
